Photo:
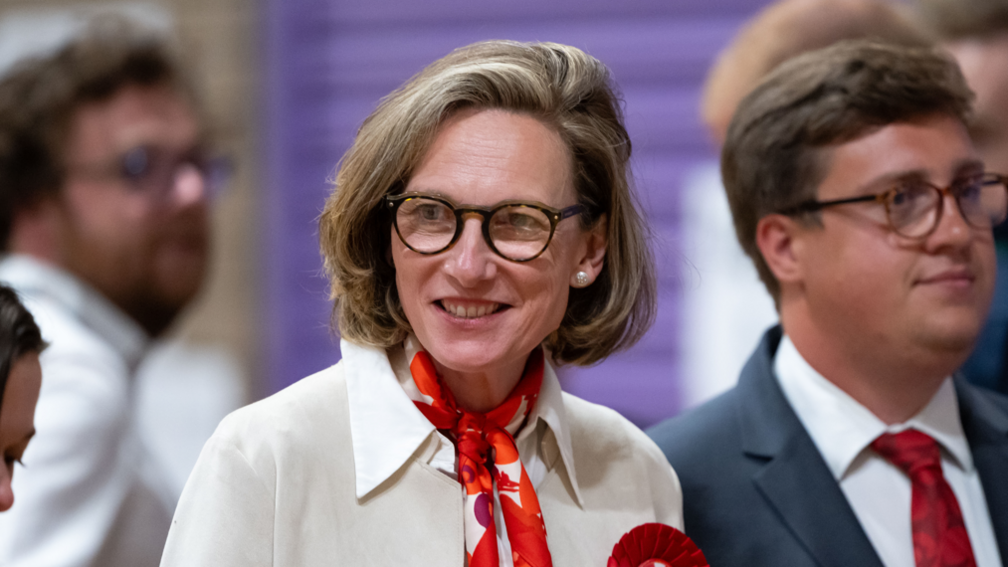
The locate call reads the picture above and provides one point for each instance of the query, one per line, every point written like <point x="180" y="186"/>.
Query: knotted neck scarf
<point x="487" y="456"/>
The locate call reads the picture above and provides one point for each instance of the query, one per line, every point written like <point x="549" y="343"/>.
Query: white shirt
<point x="377" y="417"/>
<point x="89" y="493"/>
<point x="879" y="492"/>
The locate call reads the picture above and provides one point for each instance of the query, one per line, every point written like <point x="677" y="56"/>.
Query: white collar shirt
<point x="878" y="492"/>
<point x="387" y="429"/>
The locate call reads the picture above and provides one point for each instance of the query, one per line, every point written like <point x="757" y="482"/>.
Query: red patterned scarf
<point x="487" y="455"/>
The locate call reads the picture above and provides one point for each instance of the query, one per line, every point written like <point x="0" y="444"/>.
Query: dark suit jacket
<point x="756" y="491"/>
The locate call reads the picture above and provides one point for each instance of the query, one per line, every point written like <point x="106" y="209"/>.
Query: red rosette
<point x="656" y="545"/>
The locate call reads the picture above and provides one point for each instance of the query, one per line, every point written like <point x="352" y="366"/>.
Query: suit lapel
<point x="794" y="479"/>
<point x="986" y="429"/>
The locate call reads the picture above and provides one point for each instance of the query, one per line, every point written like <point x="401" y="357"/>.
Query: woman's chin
<point x="478" y="357"/>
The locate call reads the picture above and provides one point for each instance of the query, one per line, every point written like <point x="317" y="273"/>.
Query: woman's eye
<point x="522" y="222"/>
<point x="430" y="212"/>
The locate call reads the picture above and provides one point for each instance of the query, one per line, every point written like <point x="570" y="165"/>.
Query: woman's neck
<point x="482" y="391"/>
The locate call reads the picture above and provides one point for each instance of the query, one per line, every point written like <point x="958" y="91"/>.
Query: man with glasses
<point x="857" y="192"/>
<point x="104" y="179"/>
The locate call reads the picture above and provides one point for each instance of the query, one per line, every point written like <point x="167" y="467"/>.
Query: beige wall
<point x="219" y="36"/>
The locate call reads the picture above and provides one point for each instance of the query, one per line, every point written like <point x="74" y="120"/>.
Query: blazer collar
<point x="819" y="517"/>
<point x="985" y="422"/>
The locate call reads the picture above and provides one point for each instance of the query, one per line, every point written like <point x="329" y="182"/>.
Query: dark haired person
<point x="20" y="381"/>
<point x="857" y="192"/>
<point x="103" y="222"/>
<point x="976" y="33"/>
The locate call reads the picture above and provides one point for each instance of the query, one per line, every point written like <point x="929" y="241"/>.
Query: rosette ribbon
<point x="656" y="545"/>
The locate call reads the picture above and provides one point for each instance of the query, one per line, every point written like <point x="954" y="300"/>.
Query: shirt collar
<point x="387" y="429"/>
<point x="842" y="428"/>
<point x="550" y="409"/>
<point x="36" y="280"/>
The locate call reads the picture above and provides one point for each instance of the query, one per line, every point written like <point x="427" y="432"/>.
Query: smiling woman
<point x="482" y="229"/>
<point x="20" y="381"/>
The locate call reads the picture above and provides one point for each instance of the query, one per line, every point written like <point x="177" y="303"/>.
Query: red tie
<point x="939" y="534"/>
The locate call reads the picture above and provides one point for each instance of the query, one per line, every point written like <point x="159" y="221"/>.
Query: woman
<point x="481" y="227"/>
<point x="20" y="381"/>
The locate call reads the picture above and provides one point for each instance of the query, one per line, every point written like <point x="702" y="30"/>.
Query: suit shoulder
<point x="700" y="431"/>
<point x="996" y="399"/>
<point x="985" y="405"/>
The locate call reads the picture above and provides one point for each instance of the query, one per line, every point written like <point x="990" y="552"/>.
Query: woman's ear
<point x="777" y="242"/>
<point x="592" y="253"/>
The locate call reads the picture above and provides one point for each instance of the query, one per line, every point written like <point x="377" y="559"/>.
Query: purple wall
<point x="330" y="62"/>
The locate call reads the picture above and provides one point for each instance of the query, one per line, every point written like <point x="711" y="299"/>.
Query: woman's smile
<point x="469" y="309"/>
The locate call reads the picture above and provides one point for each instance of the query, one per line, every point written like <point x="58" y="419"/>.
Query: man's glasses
<point x="516" y="231"/>
<point x="152" y="171"/>
<point x="914" y="206"/>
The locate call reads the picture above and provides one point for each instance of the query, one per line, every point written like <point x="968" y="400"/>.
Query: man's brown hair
<point x="40" y="95"/>
<point x="777" y="149"/>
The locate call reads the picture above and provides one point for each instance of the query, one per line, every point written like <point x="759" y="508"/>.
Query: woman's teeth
<point x="471" y="311"/>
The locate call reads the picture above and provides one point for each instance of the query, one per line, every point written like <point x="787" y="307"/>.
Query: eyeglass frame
<point x="393" y="202"/>
<point x="209" y="166"/>
<point x="815" y="205"/>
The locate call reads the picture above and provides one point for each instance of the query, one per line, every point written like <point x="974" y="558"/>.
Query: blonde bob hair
<point x="563" y="87"/>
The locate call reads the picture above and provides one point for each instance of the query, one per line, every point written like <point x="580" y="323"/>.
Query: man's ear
<point x="776" y="238"/>
<point x="593" y="257"/>
<point x="37" y="230"/>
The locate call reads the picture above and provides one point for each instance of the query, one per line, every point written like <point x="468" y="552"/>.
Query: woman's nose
<point x="470" y="261"/>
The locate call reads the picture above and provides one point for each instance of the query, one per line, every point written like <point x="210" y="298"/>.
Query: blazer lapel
<point x="795" y="480"/>
<point x="986" y="429"/>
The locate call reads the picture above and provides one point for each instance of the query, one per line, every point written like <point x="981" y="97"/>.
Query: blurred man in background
<point x="976" y="32"/>
<point x="729" y="309"/>
<point x="104" y="179"/>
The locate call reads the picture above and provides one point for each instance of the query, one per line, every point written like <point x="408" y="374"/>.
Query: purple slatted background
<point x="330" y="62"/>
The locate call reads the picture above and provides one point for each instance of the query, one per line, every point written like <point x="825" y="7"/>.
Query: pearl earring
<point x="581" y="279"/>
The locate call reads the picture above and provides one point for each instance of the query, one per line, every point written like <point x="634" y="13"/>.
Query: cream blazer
<point x="275" y="486"/>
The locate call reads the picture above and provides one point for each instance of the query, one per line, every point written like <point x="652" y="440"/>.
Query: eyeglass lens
<point x="153" y="171"/>
<point x="914" y="207"/>
<point x="517" y="232"/>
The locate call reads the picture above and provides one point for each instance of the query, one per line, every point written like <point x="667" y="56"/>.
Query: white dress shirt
<point x="375" y="461"/>
<point x="90" y="493"/>
<point x="879" y="492"/>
